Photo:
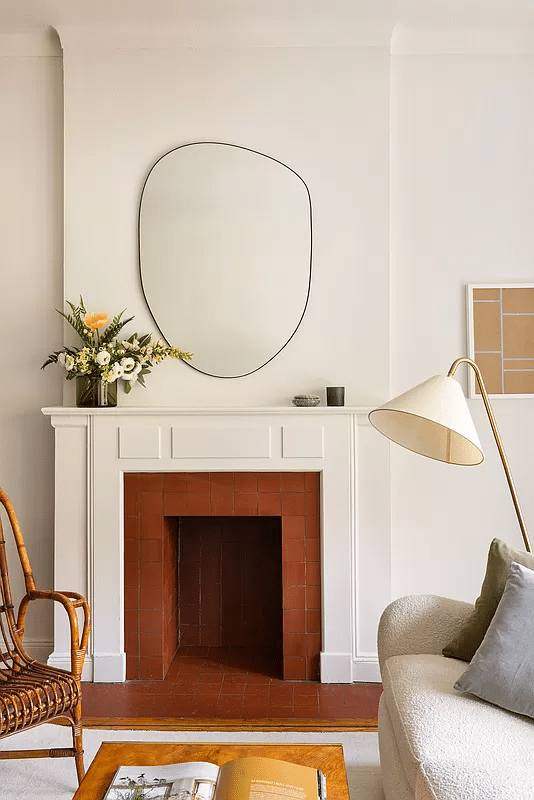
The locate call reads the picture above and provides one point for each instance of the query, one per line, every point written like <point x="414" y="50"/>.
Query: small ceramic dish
<point x="306" y="400"/>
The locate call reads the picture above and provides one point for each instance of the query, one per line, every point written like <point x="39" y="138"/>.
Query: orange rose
<point x="96" y="320"/>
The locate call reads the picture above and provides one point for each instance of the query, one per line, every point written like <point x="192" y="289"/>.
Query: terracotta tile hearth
<point x="154" y="504"/>
<point x="204" y="690"/>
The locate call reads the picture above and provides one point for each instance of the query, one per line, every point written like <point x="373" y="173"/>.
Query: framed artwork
<point x="500" y="334"/>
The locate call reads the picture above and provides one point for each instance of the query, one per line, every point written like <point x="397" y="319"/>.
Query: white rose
<point x="61" y="359"/>
<point x="127" y="364"/>
<point x="132" y="376"/>
<point x="103" y="358"/>
<point x="117" y="371"/>
<point x="69" y="363"/>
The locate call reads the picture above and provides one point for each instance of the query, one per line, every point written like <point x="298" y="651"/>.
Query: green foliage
<point x="105" y="357"/>
<point x="116" y="325"/>
<point x="76" y="321"/>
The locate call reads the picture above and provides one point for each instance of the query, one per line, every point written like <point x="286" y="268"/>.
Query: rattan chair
<point x="32" y="693"/>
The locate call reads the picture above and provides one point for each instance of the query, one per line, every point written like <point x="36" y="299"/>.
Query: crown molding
<point x="457" y="40"/>
<point x="37" y="42"/>
<point x="214" y="33"/>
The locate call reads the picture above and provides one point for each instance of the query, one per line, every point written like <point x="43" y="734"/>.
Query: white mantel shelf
<point x="165" y="411"/>
<point x="95" y="447"/>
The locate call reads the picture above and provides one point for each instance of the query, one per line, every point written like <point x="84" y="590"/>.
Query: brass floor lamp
<point x="433" y="419"/>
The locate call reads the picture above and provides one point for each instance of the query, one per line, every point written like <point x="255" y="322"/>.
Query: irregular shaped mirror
<point x="225" y="242"/>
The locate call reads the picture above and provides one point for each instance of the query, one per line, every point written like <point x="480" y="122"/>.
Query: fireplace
<point x="174" y="591"/>
<point x="95" y="449"/>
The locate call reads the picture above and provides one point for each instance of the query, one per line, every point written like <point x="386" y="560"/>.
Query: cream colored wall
<point x="124" y="107"/>
<point x="323" y="111"/>
<point x="31" y="287"/>
<point x="461" y="194"/>
<point x="462" y="197"/>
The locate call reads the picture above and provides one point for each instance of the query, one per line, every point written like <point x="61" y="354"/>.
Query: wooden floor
<point x="230" y="688"/>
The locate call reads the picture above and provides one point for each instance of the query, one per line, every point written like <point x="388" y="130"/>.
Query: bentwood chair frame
<point x="32" y="693"/>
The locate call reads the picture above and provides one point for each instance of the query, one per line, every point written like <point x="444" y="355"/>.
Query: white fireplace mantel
<point x="95" y="447"/>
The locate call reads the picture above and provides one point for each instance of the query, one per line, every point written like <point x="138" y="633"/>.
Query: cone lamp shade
<point x="432" y="419"/>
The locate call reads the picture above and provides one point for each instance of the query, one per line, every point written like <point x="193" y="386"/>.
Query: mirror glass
<point x="225" y="242"/>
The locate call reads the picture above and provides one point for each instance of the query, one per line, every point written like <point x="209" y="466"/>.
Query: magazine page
<point x="192" y="780"/>
<point x="266" y="779"/>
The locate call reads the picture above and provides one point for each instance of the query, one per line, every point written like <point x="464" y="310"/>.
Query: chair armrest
<point x="419" y="624"/>
<point x="70" y="601"/>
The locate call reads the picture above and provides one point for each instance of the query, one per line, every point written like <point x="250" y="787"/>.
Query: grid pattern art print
<point x="501" y="337"/>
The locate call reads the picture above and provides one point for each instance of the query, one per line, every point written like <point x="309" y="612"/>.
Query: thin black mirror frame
<point x="250" y="150"/>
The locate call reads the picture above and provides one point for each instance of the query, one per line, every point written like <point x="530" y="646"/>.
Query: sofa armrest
<point x="419" y="624"/>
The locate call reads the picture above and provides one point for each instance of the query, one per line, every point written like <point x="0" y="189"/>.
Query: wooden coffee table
<point x="112" y="755"/>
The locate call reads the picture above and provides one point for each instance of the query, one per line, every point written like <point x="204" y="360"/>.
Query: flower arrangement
<point x="106" y="358"/>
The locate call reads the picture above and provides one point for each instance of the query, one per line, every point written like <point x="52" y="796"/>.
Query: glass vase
<point x="92" y="392"/>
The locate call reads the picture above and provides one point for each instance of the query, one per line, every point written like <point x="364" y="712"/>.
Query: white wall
<point x="323" y="111"/>
<point x="31" y="287"/>
<point x="460" y="119"/>
<point x="462" y="198"/>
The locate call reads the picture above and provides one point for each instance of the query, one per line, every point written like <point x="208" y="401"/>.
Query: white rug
<point x="55" y="779"/>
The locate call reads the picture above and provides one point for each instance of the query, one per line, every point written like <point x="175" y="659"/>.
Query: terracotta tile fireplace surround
<point x="172" y="578"/>
<point x="143" y="492"/>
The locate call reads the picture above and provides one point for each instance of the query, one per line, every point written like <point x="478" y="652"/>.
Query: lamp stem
<point x="498" y="441"/>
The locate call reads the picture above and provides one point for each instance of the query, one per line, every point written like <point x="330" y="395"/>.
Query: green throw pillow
<point x="500" y="557"/>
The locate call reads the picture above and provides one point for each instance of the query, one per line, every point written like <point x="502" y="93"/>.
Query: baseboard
<point x="38" y="649"/>
<point x="343" y="668"/>
<point x="43" y="650"/>
<point x="366" y="670"/>
<point x="336" y="668"/>
<point x="63" y="661"/>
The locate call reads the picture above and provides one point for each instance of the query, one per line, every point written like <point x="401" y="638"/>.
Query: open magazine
<point x="252" y="778"/>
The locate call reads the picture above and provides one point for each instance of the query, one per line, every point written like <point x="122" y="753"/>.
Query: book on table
<point x="253" y="778"/>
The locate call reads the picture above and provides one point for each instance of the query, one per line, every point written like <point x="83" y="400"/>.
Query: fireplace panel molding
<point x="94" y="448"/>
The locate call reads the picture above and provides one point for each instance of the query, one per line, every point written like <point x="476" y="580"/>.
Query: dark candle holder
<point x="335" y="395"/>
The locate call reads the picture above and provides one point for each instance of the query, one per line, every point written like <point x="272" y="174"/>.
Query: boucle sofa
<point x="436" y="743"/>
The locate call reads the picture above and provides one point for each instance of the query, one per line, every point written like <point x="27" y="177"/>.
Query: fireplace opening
<point x="196" y="546"/>
<point x="229" y="587"/>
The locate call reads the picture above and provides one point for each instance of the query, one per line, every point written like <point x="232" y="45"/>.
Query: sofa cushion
<point x="502" y="669"/>
<point x="394" y="783"/>
<point x="469" y="639"/>
<point x="455" y="746"/>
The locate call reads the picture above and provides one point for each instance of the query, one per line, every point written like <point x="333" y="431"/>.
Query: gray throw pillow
<point x="502" y="670"/>
<point x="500" y="556"/>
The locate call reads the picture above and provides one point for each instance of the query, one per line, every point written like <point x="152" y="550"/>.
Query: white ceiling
<point x="16" y="14"/>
